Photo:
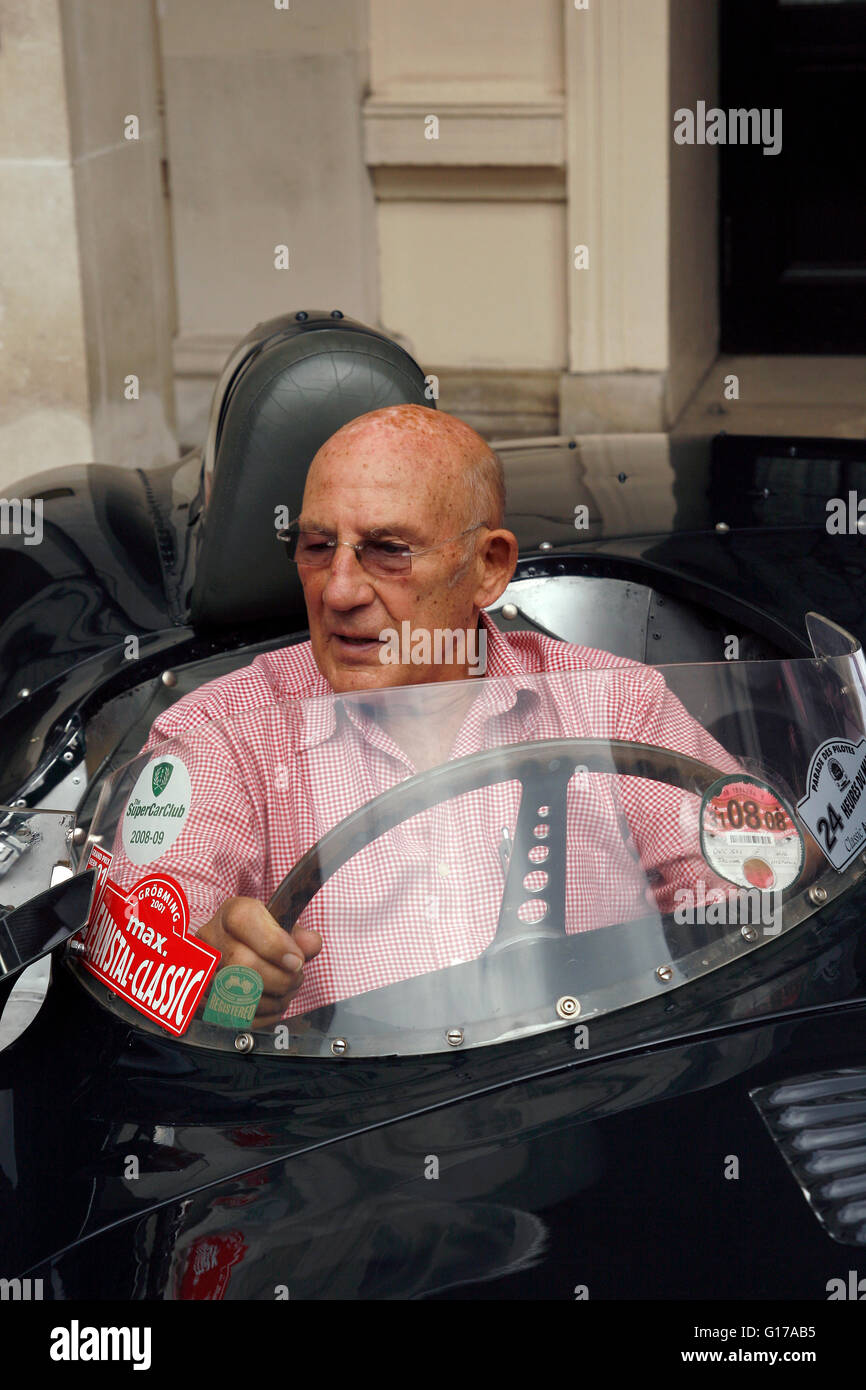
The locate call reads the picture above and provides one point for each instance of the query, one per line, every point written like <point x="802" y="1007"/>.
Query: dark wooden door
<point x="793" y="224"/>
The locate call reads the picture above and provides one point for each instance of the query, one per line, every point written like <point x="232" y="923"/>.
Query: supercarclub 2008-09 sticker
<point x="157" y="809"/>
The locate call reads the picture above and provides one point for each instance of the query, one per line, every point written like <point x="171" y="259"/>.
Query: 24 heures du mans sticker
<point x="749" y="836"/>
<point x="137" y="944"/>
<point x="834" y="807"/>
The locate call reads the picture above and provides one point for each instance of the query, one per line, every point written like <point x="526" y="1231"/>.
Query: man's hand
<point x="246" y="934"/>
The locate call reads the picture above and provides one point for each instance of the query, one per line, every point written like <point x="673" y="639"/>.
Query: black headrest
<point x="291" y="384"/>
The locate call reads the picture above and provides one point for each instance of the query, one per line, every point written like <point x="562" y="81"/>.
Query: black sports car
<point x="668" y="1103"/>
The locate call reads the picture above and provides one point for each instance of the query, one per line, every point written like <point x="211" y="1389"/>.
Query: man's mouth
<point x="351" y="643"/>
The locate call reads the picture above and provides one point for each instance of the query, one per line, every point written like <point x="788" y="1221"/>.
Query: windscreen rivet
<point x="454" y="1036"/>
<point x="567" y="1006"/>
<point x="665" y="973"/>
<point x="244" y="1042"/>
<point x="749" y="933"/>
<point x="24" y="692"/>
<point x="546" y="545"/>
<point x="79" y="835"/>
<point x="339" y="1046"/>
<point x="509" y="610"/>
<point x="168" y="678"/>
<point x="68" y="756"/>
<point x="76" y="947"/>
<point x="722" y="526"/>
<point x="817" y="894"/>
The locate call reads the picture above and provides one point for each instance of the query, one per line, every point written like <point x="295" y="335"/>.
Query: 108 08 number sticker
<point x="748" y="835"/>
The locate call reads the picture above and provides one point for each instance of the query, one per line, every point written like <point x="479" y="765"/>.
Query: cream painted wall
<point x="44" y="404"/>
<point x="472" y="265"/>
<point x="112" y="71"/>
<point x="475" y="284"/>
<point x="486" y="50"/>
<point x="694" y="206"/>
<point x="617" y="160"/>
<point x="307" y="127"/>
<point x="84" y="274"/>
<point x="264" y="140"/>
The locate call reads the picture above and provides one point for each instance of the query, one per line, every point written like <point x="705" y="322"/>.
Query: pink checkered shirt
<point x="273" y="768"/>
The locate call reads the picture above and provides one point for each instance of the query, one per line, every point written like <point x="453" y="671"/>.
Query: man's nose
<point x="348" y="584"/>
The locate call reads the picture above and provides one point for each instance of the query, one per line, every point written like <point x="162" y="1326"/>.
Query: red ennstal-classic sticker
<point x="137" y="944"/>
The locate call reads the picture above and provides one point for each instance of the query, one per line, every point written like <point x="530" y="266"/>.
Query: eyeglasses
<point x="384" y="559"/>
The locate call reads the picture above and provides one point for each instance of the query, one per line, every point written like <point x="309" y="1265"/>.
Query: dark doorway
<point x="793" y="224"/>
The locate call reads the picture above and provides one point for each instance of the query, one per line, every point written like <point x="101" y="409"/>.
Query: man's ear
<point x="498" y="555"/>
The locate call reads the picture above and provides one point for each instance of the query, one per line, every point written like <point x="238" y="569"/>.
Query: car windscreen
<point x="482" y="859"/>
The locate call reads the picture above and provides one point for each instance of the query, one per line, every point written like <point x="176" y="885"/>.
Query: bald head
<point x="432" y="443"/>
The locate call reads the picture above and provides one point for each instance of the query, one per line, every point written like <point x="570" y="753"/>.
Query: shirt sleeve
<point x="220" y="851"/>
<point x="665" y="820"/>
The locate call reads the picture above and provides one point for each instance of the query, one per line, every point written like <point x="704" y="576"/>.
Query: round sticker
<point x="156" y="810"/>
<point x="748" y="835"/>
<point x="234" y="997"/>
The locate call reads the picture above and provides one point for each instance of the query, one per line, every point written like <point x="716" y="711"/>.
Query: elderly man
<point x="401" y="524"/>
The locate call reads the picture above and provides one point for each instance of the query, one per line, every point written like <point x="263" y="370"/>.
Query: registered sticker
<point x="156" y="810"/>
<point x="137" y="944"/>
<point x="234" y="997"/>
<point x="749" y="836"/>
<point x="834" y="807"/>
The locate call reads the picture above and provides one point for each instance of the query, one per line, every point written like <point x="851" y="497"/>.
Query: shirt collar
<point x="505" y="685"/>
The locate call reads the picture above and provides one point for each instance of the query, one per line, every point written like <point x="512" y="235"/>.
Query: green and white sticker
<point x="234" y="997"/>
<point x="156" y="810"/>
